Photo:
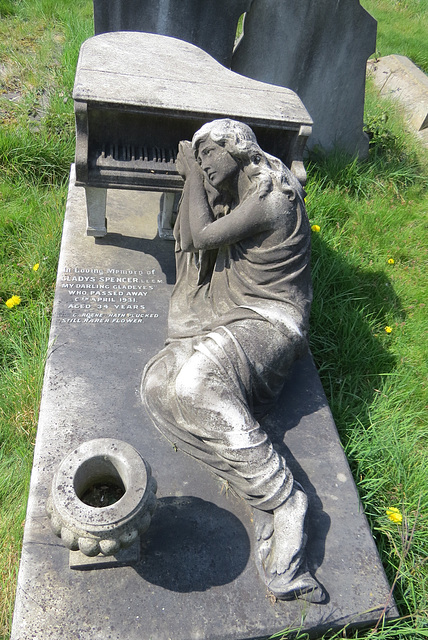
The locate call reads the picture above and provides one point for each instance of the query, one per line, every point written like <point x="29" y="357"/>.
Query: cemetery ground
<point x="369" y="319"/>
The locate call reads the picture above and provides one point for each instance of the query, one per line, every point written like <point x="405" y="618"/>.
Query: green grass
<point x="39" y="43"/>
<point x="30" y="228"/>
<point x="376" y="382"/>
<point x="367" y="212"/>
<point x="402" y="28"/>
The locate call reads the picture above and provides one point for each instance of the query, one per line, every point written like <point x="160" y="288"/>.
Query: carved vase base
<point x="123" y="557"/>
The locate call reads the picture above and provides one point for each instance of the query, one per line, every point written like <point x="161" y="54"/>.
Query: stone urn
<point x="102" y="498"/>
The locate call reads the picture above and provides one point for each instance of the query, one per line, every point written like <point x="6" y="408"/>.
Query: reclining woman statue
<point x="238" y="319"/>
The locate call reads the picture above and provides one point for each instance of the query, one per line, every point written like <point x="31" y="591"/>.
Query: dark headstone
<point x="209" y="24"/>
<point x="319" y="50"/>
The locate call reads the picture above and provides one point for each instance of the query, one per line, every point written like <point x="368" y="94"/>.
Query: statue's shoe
<point x="303" y="586"/>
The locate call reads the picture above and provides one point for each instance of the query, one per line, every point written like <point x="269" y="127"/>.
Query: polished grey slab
<point x="196" y="577"/>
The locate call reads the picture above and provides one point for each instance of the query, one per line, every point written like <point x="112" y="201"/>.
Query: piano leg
<point x="96" y="212"/>
<point x="296" y="153"/>
<point x="167" y="215"/>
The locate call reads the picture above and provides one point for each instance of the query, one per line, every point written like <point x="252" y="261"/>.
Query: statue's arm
<point x="255" y="215"/>
<point x="185" y="235"/>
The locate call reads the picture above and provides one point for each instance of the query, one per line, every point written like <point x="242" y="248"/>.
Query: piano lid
<point x="165" y="75"/>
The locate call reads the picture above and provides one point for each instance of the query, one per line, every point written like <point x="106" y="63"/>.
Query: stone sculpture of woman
<point x="238" y="320"/>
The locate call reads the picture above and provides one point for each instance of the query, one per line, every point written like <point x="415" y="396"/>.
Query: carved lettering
<point x="97" y="295"/>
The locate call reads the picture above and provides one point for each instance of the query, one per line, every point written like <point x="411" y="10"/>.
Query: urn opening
<point x="98" y="482"/>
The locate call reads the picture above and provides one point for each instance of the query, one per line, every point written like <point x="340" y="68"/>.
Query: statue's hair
<point x="262" y="168"/>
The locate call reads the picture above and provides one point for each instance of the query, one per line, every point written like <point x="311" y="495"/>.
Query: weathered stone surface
<point x="399" y="78"/>
<point x="209" y="24"/>
<point x="176" y="78"/>
<point x="318" y="49"/>
<point x="197" y="576"/>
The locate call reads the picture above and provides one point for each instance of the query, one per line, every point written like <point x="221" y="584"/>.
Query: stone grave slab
<point x="399" y="78"/>
<point x="196" y="577"/>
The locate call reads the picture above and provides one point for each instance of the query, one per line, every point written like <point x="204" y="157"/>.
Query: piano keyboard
<point x="129" y="157"/>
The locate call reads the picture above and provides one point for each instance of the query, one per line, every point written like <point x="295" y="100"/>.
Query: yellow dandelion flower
<point x="13" y="302"/>
<point x="388" y="329"/>
<point x="394" y="515"/>
<point x="36" y="266"/>
<point x="391" y="261"/>
<point x="316" y="228"/>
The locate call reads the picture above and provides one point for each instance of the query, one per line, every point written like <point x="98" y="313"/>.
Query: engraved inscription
<point x="110" y="296"/>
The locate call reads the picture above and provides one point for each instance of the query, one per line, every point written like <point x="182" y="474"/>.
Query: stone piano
<point x="136" y="95"/>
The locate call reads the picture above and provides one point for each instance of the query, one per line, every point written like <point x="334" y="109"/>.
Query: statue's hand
<point x="186" y="161"/>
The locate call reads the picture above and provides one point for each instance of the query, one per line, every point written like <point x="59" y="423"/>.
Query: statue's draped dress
<point x="238" y="319"/>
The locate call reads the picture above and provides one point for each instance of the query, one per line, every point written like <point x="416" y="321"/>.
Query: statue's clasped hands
<point x="186" y="162"/>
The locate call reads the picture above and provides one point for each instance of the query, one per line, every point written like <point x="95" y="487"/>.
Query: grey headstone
<point x="209" y="24"/>
<point x="399" y="78"/>
<point x="318" y="49"/>
<point x="196" y="577"/>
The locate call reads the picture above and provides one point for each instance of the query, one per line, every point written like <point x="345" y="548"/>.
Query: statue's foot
<point x="303" y="586"/>
<point x="280" y="546"/>
<point x="289" y="538"/>
<point x="263" y="530"/>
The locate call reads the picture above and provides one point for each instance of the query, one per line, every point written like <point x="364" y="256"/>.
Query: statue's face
<point x="217" y="163"/>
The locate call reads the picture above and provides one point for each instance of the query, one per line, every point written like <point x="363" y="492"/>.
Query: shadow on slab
<point x="193" y="545"/>
<point x="162" y="250"/>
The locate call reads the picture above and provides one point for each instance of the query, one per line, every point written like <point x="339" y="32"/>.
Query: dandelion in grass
<point x="391" y="261"/>
<point x="316" y="228"/>
<point x="394" y="515"/>
<point x="388" y="329"/>
<point x="36" y="266"/>
<point x="13" y="302"/>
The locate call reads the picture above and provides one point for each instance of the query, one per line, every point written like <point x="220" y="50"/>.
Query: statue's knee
<point x="189" y="383"/>
<point x="150" y="381"/>
<point x="154" y="385"/>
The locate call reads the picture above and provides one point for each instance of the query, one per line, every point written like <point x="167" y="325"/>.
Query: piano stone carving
<point x="137" y="95"/>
